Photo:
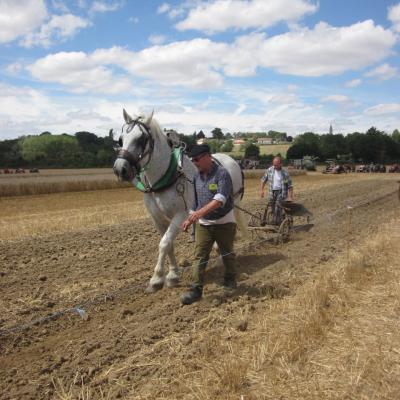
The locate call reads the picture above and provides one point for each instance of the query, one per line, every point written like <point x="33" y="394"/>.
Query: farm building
<point x="265" y="141"/>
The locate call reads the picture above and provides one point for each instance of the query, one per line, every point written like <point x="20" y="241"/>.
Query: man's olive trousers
<point x="206" y="235"/>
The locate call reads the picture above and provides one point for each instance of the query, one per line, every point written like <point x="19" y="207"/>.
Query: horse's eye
<point x="120" y="142"/>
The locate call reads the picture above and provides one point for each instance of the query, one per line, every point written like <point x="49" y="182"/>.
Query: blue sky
<point x="241" y="65"/>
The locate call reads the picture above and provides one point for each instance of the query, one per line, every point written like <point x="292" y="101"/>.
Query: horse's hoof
<point x="171" y="283"/>
<point x="154" y="288"/>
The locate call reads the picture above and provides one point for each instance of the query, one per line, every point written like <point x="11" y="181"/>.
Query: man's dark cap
<point x="199" y="149"/>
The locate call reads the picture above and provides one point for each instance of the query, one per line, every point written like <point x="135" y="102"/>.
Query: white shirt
<point x="230" y="217"/>
<point x="277" y="180"/>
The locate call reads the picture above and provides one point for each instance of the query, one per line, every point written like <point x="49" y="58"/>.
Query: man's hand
<point x="196" y="215"/>
<point x="193" y="218"/>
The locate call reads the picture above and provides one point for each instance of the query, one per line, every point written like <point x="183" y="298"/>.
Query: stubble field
<point x="316" y="317"/>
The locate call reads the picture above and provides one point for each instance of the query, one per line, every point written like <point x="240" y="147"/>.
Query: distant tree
<point x="45" y="133"/>
<point x="227" y="146"/>
<point x="252" y="151"/>
<point x="215" y="145"/>
<point x="86" y="139"/>
<point x="373" y="146"/>
<point x="265" y="160"/>
<point x="217" y="133"/>
<point x="279" y="136"/>
<point x="10" y="154"/>
<point x="49" y="150"/>
<point x="309" y="144"/>
<point x="228" y="135"/>
<point x="289" y="139"/>
<point x="332" y="145"/>
<point x="299" y="150"/>
<point x="396" y="135"/>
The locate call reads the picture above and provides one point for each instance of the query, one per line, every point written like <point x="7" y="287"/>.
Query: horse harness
<point x="174" y="170"/>
<point x="146" y="138"/>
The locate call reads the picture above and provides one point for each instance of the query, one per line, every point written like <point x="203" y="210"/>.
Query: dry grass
<point x="275" y="149"/>
<point x="63" y="212"/>
<point x="336" y="337"/>
<point x="58" y="181"/>
<point x="24" y="216"/>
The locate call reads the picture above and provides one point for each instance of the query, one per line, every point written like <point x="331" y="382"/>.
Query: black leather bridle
<point x="146" y="142"/>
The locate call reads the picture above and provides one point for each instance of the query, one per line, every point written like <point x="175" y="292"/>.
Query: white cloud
<point x="60" y="6"/>
<point x="25" y="111"/>
<point x="383" y="109"/>
<point x="29" y="111"/>
<point x="18" y="18"/>
<point x="79" y="72"/>
<point x="163" y="8"/>
<point x="353" y="83"/>
<point x="157" y="39"/>
<point x="335" y="98"/>
<point x="284" y="98"/>
<point x="220" y="15"/>
<point x="59" y="28"/>
<point x="103" y="6"/>
<point x="187" y="63"/>
<point x="394" y="17"/>
<point x="327" y="50"/>
<point x="14" y="68"/>
<point x="16" y="102"/>
<point x="383" y="72"/>
<point x="203" y="63"/>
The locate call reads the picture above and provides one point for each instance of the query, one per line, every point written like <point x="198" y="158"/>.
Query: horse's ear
<point x="150" y="118"/>
<point x="128" y="119"/>
<point x="173" y="138"/>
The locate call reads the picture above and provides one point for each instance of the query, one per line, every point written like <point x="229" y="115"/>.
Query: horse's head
<point x="135" y="146"/>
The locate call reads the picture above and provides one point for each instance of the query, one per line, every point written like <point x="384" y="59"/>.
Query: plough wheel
<point x="255" y="221"/>
<point x="284" y="231"/>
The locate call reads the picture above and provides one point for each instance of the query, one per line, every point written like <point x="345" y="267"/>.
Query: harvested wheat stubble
<point x="297" y="328"/>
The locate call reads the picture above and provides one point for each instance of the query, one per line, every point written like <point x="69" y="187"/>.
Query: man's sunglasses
<point x="198" y="158"/>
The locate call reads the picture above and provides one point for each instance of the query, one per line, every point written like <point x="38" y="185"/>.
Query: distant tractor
<point x="307" y="163"/>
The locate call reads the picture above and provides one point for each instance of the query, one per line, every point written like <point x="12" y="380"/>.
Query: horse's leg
<point x="157" y="280"/>
<point x="166" y="248"/>
<point x="173" y="274"/>
<point x="173" y="231"/>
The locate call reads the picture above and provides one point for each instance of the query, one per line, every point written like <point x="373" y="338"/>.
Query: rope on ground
<point x="81" y="308"/>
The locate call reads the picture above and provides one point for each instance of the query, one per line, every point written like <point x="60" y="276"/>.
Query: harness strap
<point x="169" y="178"/>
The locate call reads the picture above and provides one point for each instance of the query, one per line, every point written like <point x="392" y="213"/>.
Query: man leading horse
<point x="213" y="210"/>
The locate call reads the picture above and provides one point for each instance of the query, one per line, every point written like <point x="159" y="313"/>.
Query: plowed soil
<point x="46" y="344"/>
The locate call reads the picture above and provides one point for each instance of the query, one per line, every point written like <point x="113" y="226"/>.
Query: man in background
<point x="280" y="188"/>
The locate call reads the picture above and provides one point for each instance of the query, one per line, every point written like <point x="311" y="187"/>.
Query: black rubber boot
<point x="230" y="283"/>
<point x="192" y="295"/>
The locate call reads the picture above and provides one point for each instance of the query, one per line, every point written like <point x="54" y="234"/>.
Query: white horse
<point x="155" y="163"/>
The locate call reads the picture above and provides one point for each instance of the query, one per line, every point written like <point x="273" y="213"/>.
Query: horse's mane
<point x="154" y="125"/>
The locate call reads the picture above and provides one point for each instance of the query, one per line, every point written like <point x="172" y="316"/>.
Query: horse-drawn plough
<point x="277" y="226"/>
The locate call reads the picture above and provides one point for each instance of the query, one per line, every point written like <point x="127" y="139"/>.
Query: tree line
<point x="85" y="149"/>
<point x="372" y="146"/>
<point x="81" y="150"/>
